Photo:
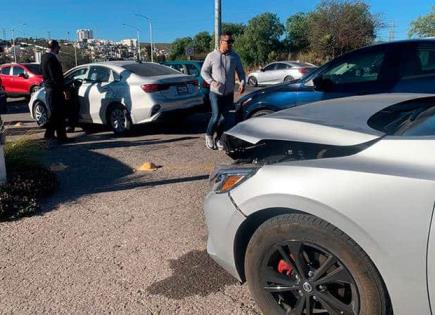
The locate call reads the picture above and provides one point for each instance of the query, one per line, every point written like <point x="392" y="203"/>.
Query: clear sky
<point x="171" y="18"/>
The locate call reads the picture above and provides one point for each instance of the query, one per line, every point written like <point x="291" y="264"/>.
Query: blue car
<point x="193" y="68"/>
<point x="402" y="66"/>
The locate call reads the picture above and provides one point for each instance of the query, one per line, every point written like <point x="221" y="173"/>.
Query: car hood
<point x="282" y="87"/>
<point x="338" y="122"/>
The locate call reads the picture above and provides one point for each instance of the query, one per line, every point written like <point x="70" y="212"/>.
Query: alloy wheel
<point x="41" y="114"/>
<point x="118" y="120"/>
<point x="304" y="279"/>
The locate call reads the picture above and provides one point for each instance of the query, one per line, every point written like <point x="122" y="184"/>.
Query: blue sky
<point x="171" y="18"/>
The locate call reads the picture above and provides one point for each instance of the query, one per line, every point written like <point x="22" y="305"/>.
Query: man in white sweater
<point x="219" y="71"/>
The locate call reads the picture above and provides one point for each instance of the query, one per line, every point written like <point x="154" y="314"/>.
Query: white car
<point x="278" y="72"/>
<point x="123" y="93"/>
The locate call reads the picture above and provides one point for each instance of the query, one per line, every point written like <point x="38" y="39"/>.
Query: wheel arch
<point x="106" y="110"/>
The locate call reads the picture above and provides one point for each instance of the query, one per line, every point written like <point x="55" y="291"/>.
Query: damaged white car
<point x="329" y="207"/>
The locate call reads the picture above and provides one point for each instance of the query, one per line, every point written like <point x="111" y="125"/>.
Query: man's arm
<point x="206" y="70"/>
<point x="241" y="75"/>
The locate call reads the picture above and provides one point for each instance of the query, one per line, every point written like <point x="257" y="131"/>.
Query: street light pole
<point x="13" y="43"/>
<point x="151" y="35"/>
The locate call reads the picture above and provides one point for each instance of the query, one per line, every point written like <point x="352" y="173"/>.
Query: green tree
<point x="336" y="27"/>
<point x="202" y="42"/>
<point x="423" y="26"/>
<point x="179" y="46"/>
<point x="297" y="28"/>
<point x="261" y="37"/>
<point x="236" y="29"/>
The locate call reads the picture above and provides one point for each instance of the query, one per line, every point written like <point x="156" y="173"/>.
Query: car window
<point x="78" y="74"/>
<point x="149" y="69"/>
<point x="270" y="67"/>
<point x="282" y="66"/>
<point x="177" y="67"/>
<point x="362" y="67"/>
<point x="192" y="70"/>
<point x="34" y="68"/>
<point x="418" y="63"/>
<point x="6" y="70"/>
<point x="99" y="74"/>
<point x="17" y="71"/>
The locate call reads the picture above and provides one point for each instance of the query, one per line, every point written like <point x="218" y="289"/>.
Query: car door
<point x="280" y="72"/>
<point x="95" y="94"/>
<point x="368" y="71"/>
<point x="20" y="80"/>
<point x="416" y="71"/>
<point x="267" y="74"/>
<point x="6" y="78"/>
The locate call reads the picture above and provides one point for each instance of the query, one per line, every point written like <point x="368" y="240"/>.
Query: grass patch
<point x="28" y="181"/>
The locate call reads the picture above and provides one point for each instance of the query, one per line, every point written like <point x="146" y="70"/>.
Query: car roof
<point x="339" y="121"/>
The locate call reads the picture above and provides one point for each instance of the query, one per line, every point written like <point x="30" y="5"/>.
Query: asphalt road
<point x="114" y="239"/>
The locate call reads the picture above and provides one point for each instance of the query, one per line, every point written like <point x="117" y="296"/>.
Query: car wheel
<point x="262" y="113"/>
<point x="298" y="264"/>
<point x="119" y="119"/>
<point x="40" y="113"/>
<point x="252" y="81"/>
<point x="288" y="78"/>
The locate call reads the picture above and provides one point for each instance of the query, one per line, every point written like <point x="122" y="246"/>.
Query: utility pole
<point x="217" y="22"/>
<point x="13" y="43"/>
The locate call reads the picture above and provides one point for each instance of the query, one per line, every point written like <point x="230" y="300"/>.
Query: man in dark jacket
<point x="54" y="92"/>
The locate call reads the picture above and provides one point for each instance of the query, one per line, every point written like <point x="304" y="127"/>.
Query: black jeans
<point x="220" y="105"/>
<point x="56" y="102"/>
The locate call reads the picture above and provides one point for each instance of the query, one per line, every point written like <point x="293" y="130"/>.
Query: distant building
<point x="129" y="42"/>
<point x="84" y="34"/>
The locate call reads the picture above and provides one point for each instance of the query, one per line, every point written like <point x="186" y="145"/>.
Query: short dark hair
<point x="53" y="44"/>
<point x="226" y="34"/>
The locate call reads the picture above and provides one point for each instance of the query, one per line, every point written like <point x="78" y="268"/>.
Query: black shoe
<point x="70" y="129"/>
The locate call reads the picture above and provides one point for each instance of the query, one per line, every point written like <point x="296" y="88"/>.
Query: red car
<point x="20" y="78"/>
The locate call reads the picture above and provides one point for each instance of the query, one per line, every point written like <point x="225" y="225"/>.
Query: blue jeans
<point x="220" y="105"/>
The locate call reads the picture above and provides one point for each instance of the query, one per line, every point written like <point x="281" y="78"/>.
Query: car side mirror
<point x="322" y="84"/>
<point x="23" y="75"/>
<point x="261" y="69"/>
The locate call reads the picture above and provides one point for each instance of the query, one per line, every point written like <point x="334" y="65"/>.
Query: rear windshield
<point x="149" y="69"/>
<point x="413" y="118"/>
<point x="34" y="68"/>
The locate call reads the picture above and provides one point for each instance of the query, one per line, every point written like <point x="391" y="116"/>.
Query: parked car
<point x="121" y="94"/>
<point x="3" y="108"/>
<point x="336" y="209"/>
<point x="403" y="66"/>
<point x="21" y="79"/>
<point x="193" y="68"/>
<point x="278" y="72"/>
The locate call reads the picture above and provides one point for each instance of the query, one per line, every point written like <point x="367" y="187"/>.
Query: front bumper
<point x="223" y="220"/>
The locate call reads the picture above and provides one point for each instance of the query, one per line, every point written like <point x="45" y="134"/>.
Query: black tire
<point x="40" y="113"/>
<point x="262" y="113"/>
<point x="279" y="236"/>
<point x="118" y="119"/>
<point x="288" y="78"/>
<point x="252" y="81"/>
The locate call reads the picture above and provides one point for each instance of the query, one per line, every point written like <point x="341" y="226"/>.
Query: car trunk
<point x="175" y="86"/>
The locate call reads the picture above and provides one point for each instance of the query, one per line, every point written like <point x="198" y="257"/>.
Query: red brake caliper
<point x="284" y="268"/>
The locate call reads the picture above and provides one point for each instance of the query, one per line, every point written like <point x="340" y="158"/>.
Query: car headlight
<point x="223" y="180"/>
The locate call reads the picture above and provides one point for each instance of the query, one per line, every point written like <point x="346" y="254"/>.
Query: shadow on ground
<point x="194" y="273"/>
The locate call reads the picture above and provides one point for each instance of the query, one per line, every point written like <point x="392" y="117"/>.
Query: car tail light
<point x="150" y="88"/>
<point x="304" y="70"/>
<point x="205" y="85"/>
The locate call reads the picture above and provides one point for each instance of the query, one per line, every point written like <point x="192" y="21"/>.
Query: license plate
<point x="182" y="90"/>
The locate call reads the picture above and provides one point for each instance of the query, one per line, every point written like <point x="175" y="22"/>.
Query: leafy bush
<point x="27" y="183"/>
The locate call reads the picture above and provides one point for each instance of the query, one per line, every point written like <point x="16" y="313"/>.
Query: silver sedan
<point x="121" y="94"/>
<point x="278" y="72"/>
<point x="332" y="212"/>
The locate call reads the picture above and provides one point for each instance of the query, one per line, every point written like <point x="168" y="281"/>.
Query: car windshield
<point x="34" y="68"/>
<point x="410" y="118"/>
<point x="149" y="69"/>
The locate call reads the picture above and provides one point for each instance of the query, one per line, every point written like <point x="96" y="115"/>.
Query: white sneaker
<point x="220" y="145"/>
<point x="209" y="143"/>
